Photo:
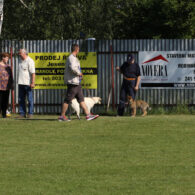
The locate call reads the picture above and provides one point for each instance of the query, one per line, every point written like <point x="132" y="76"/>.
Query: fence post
<point x="112" y="66"/>
<point x="13" y="99"/>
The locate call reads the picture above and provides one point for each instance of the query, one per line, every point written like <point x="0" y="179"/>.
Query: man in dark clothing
<point x="131" y="80"/>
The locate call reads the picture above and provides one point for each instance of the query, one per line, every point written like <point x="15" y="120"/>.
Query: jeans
<point x="25" y="90"/>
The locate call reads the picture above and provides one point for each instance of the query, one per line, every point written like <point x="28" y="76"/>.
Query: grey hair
<point x="24" y="51"/>
<point x="74" y="46"/>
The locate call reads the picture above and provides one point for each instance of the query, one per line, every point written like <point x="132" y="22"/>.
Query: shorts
<point x="74" y="91"/>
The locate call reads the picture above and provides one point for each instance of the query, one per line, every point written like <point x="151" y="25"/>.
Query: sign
<point x="50" y="69"/>
<point x="167" y="69"/>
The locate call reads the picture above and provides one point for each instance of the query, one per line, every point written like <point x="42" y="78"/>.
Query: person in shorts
<point x="72" y="77"/>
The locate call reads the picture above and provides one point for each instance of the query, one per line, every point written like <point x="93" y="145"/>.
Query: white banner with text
<point x="167" y="69"/>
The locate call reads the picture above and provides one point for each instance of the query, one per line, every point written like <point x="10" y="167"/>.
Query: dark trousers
<point x="127" y="88"/>
<point x="4" y="99"/>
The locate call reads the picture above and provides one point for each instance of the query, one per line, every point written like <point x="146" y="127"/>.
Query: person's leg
<point x="1" y="100"/>
<point x="63" y="117"/>
<point x="64" y="109"/>
<point x="70" y="94"/>
<point x="80" y="98"/>
<point x="122" y="100"/>
<point x="5" y="103"/>
<point x="29" y="93"/>
<point x="132" y="92"/>
<point x="84" y="107"/>
<point x="22" y="96"/>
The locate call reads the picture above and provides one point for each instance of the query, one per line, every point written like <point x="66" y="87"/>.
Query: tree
<point x="102" y="19"/>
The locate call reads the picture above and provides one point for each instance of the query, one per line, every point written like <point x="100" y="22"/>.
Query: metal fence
<point x="49" y="101"/>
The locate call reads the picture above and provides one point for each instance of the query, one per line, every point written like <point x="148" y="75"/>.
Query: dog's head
<point x="130" y="99"/>
<point x="97" y="100"/>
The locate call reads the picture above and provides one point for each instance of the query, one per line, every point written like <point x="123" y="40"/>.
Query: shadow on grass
<point x="41" y="119"/>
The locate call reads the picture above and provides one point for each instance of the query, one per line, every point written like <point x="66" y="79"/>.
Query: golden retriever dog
<point x="89" y="101"/>
<point x="134" y="104"/>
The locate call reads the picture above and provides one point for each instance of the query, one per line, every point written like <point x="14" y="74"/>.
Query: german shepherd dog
<point x="134" y="104"/>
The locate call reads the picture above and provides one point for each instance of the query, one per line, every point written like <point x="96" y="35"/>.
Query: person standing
<point x="6" y="83"/>
<point x="72" y="77"/>
<point x="26" y="83"/>
<point x="131" y="80"/>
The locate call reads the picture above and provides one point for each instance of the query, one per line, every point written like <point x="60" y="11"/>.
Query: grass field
<point x="110" y="155"/>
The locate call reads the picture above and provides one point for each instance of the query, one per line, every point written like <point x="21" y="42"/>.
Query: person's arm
<point x="138" y="74"/>
<point x="32" y="85"/>
<point x="32" y="72"/>
<point x="120" y="68"/>
<point x="137" y="83"/>
<point x="73" y="66"/>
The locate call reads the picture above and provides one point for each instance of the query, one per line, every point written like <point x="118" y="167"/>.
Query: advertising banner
<point x="50" y="69"/>
<point x="167" y="69"/>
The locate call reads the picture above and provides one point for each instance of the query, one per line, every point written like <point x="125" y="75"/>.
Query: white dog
<point x="89" y="101"/>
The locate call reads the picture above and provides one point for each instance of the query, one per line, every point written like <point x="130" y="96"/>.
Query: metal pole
<point x="13" y="99"/>
<point x="112" y="66"/>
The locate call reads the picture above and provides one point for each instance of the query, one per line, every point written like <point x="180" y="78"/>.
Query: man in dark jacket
<point x="131" y="80"/>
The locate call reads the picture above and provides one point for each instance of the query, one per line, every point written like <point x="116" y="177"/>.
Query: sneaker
<point x="91" y="117"/>
<point x="20" y="117"/>
<point x="63" y="118"/>
<point x="29" y="116"/>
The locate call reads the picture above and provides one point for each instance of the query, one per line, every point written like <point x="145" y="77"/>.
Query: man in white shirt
<point x="26" y="82"/>
<point x="72" y="78"/>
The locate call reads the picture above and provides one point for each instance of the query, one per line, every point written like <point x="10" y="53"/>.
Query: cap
<point x="130" y="57"/>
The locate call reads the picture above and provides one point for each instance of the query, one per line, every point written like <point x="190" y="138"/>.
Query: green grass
<point x="110" y="155"/>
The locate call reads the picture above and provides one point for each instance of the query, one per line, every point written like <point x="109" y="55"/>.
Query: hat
<point x="130" y="57"/>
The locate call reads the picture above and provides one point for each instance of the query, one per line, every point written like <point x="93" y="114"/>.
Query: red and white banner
<point x="167" y="68"/>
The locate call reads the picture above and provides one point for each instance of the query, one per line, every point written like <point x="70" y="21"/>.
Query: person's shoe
<point x="29" y="116"/>
<point x="21" y="116"/>
<point x="91" y="117"/>
<point x="63" y="118"/>
<point x="8" y="113"/>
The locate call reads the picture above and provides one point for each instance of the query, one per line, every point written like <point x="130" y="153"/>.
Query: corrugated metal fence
<point x="49" y="101"/>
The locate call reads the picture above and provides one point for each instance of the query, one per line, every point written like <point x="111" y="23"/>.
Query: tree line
<point x="101" y="19"/>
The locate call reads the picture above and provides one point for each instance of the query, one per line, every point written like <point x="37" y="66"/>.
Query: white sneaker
<point x="63" y="118"/>
<point x="91" y="117"/>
